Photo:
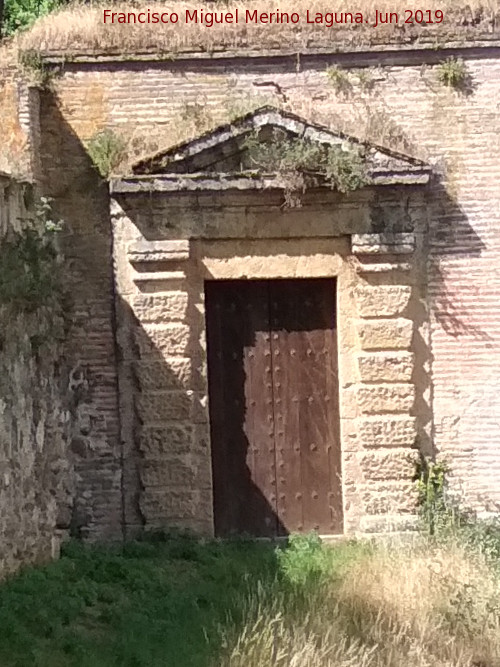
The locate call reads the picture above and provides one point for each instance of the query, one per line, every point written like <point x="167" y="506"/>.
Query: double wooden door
<point x="273" y="398"/>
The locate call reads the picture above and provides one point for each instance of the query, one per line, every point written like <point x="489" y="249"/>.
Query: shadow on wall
<point x="167" y="461"/>
<point x="155" y="223"/>
<point x="451" y="236"/>
<point x="81" y="200"/>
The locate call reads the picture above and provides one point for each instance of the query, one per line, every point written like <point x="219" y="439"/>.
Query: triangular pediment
<point x="225" y="149"/>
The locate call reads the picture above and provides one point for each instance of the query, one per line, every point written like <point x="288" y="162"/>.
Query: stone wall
<point x="36" y="491"/>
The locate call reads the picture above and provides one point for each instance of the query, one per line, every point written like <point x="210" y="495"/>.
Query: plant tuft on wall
<point x="30" y="264"/>
<point x="106" y="150"/>
<point x="453" y="73"/>
<point x="339" y="79"/>
<point x="298" y="161"/>
<point x="430" y="479"/>
<point x="36" y="70"/>
<point x="345" y="81"/>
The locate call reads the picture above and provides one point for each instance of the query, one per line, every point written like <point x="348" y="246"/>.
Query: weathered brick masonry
<point x="81" y="200"/>
<point x="454" y="391"/>
<point x="457" y="133"/>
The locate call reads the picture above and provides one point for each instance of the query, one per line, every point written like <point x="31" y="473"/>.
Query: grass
<point x="149" y="603"/>
<point x="173" y="601"/>
<point x="80" y="28"/>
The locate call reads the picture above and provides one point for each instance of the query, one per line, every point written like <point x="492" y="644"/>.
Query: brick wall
<point x="156" y="104"/>
<point x="14" y="137"/>
<point x="81" y="200"/>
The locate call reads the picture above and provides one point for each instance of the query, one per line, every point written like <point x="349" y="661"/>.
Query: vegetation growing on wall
<point x="299" y="162"/>
<point x="196" y="115"/>
<point x="345" y="81"/>
<point x="30" y="263"/>
<point x="453" y="73"/>
<point x="243" y="104"/>
<point x="36" y="70"/>
<point x="106" y="150"/>
<point x="339" y="79"/>
<point x="430" y="478"/>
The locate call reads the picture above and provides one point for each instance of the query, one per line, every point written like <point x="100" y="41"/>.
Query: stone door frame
<point x="160" y="288"/>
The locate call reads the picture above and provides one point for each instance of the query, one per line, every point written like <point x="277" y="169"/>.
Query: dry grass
<point x="418" y="606"/>
<point x="80" y="28"/>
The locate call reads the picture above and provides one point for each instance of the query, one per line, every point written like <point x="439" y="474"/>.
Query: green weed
<point x="106" y="150"/>
<point x="453" y="73"/>
<point x="298" y="162"/>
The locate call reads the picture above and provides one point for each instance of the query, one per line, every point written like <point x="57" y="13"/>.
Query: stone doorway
<point x="189" y="218"/>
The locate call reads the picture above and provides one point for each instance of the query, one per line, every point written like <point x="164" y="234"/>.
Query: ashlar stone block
<point x="389" y="498"/>
<point x="379" y="466"/>
<point x="172" y="406"/>
<point x="392" y="398"/>
<point x="161" y="308"/>
<point x="382" y="300"/>
<point x="371" y="244"/>
<point x="171" y="439"/>
<point x="177" y="507"/>
<point x="170" y="473"/>
<point x="393" y="523"/>
<point x="387" y="431"/>
<point x="164" y="406"/>
<point x="165" y="341"/>
<point x="386" y="366"/>
<point x="169" y="374"/>
<point x="385" y="334"/>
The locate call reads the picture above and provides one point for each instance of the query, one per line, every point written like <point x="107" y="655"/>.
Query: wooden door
<point x="273" y="398"/>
